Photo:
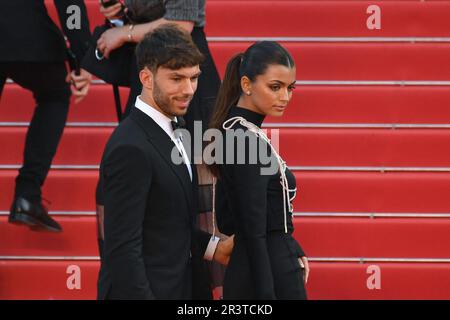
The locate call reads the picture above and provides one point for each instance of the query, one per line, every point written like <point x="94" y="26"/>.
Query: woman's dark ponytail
<point x="229" y="92"/>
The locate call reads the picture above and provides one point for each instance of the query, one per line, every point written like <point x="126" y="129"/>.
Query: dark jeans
<point x="46" y="80"/>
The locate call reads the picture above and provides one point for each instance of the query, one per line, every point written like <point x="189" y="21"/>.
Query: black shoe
<point x="34" y="215"/>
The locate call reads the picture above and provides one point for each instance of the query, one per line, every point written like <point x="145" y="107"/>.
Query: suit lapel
<point x="164" y="145"/>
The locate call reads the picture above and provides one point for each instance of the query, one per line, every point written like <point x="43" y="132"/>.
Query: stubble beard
<point x="164" y="102"/>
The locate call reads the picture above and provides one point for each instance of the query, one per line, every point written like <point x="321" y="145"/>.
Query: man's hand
<point x="80" y="84"/>
<point x="113" y="12"/>
<point x="112" y="39"/>
<point x="223" y="250"/>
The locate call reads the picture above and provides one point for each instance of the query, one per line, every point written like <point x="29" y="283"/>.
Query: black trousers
<point x="286" y="272"/>
<point x="46" y="80"/>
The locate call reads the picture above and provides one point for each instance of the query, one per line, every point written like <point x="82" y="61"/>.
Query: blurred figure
<point x="33" y="54"/>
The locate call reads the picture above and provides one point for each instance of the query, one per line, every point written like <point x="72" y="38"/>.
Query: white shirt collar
<point x="161" y="119"/>
<point x="165" y="123"/>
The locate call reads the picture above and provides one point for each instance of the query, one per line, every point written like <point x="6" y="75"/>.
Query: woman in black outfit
<point x="253" y="199"/>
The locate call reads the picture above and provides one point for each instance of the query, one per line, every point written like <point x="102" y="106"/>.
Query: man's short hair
<point x="167" y="46"/>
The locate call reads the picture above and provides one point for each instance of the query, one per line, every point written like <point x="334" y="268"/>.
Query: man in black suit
<point x="32" y="54"/>
<point x="150" y="208"/>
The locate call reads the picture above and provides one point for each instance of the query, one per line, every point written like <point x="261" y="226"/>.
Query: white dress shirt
<point x="165" y="123"/>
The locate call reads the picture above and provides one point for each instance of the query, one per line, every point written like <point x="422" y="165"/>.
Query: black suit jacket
<point x="29" y="34"/>
<point x="150" y="209"/>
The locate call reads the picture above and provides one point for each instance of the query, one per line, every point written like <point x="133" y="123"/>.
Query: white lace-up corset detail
<point x="228" y="124"/>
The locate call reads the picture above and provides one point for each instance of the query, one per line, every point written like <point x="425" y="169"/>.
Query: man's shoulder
<point x="128" y="130"/>
<point x="128" y="135"/>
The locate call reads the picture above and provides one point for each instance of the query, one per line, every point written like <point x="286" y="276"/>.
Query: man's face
<point x="174" y="89"/>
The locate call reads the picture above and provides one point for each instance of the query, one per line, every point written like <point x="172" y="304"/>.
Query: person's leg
<point x="206" y="222"/>
<point x="202" y="104"/>
<point x="3" y="76"/>
<point x="135" y="88"/>
<point x="52" y="94"/>
<point x="100" y="213"/>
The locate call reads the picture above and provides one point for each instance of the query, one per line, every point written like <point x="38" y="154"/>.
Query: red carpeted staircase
<point x="367" y="134"/>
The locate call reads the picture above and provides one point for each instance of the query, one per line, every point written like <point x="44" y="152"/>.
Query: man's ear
<point x="146" y="77"/>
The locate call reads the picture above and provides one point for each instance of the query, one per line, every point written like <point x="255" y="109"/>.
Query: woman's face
<point x="272" y="91"/>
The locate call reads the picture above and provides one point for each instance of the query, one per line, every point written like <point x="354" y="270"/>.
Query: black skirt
<point x="286" y="272"/>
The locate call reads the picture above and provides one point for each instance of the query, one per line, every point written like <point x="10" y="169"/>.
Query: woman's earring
<point x="249" y="93"/>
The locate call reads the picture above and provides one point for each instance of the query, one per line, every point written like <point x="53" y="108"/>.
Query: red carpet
<point x="343" y="125"/>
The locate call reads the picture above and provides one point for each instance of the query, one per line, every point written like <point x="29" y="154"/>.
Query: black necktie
<point x="179" y="124"/>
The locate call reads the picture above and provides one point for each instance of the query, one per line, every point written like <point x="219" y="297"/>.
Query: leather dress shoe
<point x="34" y="215"/>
